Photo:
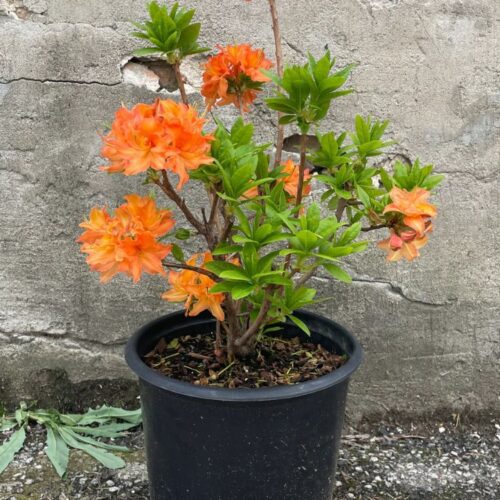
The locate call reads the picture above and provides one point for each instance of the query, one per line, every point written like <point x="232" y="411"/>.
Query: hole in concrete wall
<point x="152" y="73"/>
<point x="292" y="143"/>
<point x="23" y="9"/>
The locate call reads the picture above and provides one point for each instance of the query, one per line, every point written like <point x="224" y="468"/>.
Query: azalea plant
<point x="263" y="234"/>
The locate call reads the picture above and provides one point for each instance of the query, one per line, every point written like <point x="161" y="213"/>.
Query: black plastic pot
<point x="276" y="443"/>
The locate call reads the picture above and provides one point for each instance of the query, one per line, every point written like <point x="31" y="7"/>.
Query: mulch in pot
<point x="276" y="361"/>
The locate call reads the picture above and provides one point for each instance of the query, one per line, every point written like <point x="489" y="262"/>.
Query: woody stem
<point x="240" y="107"/>
<point x="180" y="82"/>
<point x="169" y="190"/>
<point x="232" y="326"/>
<point x="255" y="326"/>
<point x="340" y="208"/>
<point x="302" y="166"/>
<point x="373" y="228"/>
<point x="199" y="270"/>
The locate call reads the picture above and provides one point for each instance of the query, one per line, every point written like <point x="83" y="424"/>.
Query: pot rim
<point x="225" y="394"/>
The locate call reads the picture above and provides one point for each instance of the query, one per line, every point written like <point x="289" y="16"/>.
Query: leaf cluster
<point x="305" y="92"/>
<point x="408" y="177"/>
<point x="237" y="162"/>
<point x="170" y="32"/>
<point x="65" y="431"/>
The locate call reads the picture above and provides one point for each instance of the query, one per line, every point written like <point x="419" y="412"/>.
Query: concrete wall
<point x="430" y="329"/>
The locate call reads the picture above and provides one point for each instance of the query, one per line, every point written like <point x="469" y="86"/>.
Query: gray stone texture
<point x="430" y="328"/>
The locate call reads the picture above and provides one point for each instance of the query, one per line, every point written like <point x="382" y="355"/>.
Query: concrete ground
<point x="385" y="460"/>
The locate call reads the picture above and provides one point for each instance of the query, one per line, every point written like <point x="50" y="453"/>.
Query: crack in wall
<point x="485" y="178"/>
<point x="26" y="337"/>
<point x="294" y="47"/>
<point x="74" y="82"/>
<point x="400" y="294"/>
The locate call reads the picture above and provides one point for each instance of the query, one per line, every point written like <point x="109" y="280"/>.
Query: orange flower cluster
<point x="233" y="76"/>
<point x="164" y="135"/>
<point x="290" y="181"/>
<point x="193" y="288"/>
<point x="127" y="242"/>
<point x="409" y="234"/>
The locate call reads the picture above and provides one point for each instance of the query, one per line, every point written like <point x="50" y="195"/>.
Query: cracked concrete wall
<point x="430" y="329"/>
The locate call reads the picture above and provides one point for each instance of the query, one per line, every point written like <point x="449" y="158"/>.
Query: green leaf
<point x="273" y="238"/>
<point x="105" y="458"/>
<point x="109" y="412"/>
<point x="224" y="287"/>
<point x="300" y="324"/>
<point x="432" y="181"/>
<point x="147" y="51"/>
<point x="57" y="451"/>
<point x="243" y="239"/>
<point x="265" y="263"/>
<point x="217" y="266"/>
<point x="178" y="253"/>
<point x="182" y="234"/>
<point x="276" y="279"/>
<point x="94" y="442"/>
<point x="105" y="430"/>
<point x="307" y="239"/>
<point x="287" y="119"/>
<point x="386" y="179"/>
<point x="241" y="291"/>
<point x="185" y="19"/>
<point x="362" y="129"/>
<point x="225" y="248"/>
<point x="6" y="424"/>
<point x="350" y="234"/>
<point x="243" y="220"/>
<point x="235" y="275"/>
<point x="20" y="414"/>
<point x="313" y="217"/>
<point x="338" y="273"/>
<point x="363" y="196"/>
<point x="189" y="35"/>
<point x="11" y="447"/>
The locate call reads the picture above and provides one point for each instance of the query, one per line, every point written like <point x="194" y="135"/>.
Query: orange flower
<point x="193" y="288"/>
<point x="409" y="234"/>
<point x="164" y="136"/>
<point x="291" y="180"/>
<point x="413" y="205"/>
<point x="406" y="245"/>
<point x="127" y="243"/>
<point x="233" y="76"/>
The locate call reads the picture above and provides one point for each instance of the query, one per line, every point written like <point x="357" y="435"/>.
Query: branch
<point x="168" y="189"/>
<point x="213" y="211"/>
<point x="199" y="270"/>
<point x="279" y="69"/>
<point x="180" y="82"/>
<point x="232" y="326"/>
<point x="240" y="107"/>
<point x="372" y="228"/>
<point x="305" y="277"/>
<point x="340" y="209"/>
<point x="254" y="327"/>
<point x="302" y="166"/>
